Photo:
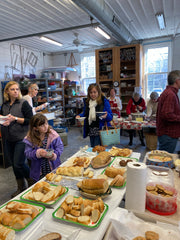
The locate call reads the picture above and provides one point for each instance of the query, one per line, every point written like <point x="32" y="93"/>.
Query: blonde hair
<point x="8" y="85"/>
<point x="100" y="94"/>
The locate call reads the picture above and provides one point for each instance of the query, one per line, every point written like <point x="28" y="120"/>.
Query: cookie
<point x="150" y="188"/>
<point x="160" y="187"/>
<point x="153" y="192"/>
<point x="139" y="238"/>
<point x="150" y="235"/>
<point x="122" y="163"/>
<point x="167" y="192"/>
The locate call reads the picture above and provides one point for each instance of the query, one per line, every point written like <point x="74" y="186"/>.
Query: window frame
<point x="151" y="45"/>
<point x="83" y="79"/>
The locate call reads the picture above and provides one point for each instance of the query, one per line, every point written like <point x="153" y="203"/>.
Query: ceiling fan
<point x="78" y="43"/>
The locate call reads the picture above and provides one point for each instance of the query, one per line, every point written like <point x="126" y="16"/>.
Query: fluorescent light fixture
<point x="161" y="20"/>
<point x="50" y="41"/>
<point x="99" y="30"/>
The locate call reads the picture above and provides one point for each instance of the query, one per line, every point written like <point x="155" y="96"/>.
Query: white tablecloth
<point x="46" y="219"/>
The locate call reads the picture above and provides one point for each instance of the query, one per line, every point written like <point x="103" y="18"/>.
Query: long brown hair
<point x="33" y="134"/>
<point x="8" y="85"/>
<point x="100" y="94"/>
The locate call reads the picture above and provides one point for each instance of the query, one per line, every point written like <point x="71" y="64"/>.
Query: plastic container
<point x="160" y="174"/>
<point x="159" y="204"/>
<point x="151" y="160"/>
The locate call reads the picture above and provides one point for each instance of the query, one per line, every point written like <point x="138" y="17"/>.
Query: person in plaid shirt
<point x="168" y="114"/>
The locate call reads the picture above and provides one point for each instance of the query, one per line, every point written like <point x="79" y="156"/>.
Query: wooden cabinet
<point x="105" y="68"/>
<point x="129" y="72"/>
<point x="122" y="65"/>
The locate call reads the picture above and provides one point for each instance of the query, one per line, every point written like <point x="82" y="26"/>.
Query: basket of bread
<point x="160" y="158"/>
<point x="85" y="212"/>
<point x="45" y="193"/>
<point x="18" y="215"/>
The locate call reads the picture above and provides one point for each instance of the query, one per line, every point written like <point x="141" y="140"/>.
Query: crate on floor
<point x="64" y="138"/>
<point x="151" y="141"/>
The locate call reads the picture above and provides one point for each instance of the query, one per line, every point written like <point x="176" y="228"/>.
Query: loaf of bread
<point x="70" y="171"/>
<point x="6" y="233"/>
<point x="93" y="186"/>
<point x="101" y="160"/>
<point x="118" y="181"/>
<point x="51" y="236"/>
<point x="17" y="215"/>
<point x="112" y="172"/>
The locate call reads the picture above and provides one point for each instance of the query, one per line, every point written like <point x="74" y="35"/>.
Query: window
<point x="157" y="66"/>
<point x="87" y="70"/>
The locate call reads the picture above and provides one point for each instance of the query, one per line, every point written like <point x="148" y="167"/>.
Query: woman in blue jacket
<point x="96" y="102"/>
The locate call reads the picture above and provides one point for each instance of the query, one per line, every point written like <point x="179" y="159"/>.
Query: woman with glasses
<point x="32" y="92"/>
<point x="18" y="112"/>
<point x="95" y="103"/>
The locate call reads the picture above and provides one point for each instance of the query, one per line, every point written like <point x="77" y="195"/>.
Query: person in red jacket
<point x="136" y="104"/>
<point x="168" y="114"/>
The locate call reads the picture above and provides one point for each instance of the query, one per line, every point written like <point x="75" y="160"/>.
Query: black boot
<point x="30" y="182"/>
<point x="141" y="137"/>
<point x="21" y="187"/>
<point x="131" y="137"/>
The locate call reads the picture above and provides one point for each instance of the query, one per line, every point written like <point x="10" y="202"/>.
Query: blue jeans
<point x="167" y="143"/>
<point x="17" y="157"/>
<point x="95" y="140"/>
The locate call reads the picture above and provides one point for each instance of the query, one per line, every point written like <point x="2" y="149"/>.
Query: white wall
<point x="176" y="54"/>
<point x="12" y="55"/>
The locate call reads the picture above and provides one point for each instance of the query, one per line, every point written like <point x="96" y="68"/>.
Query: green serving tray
<point x="23" y="197"/>
<point x="91" y="225"/>
<point x="41" y="209"/>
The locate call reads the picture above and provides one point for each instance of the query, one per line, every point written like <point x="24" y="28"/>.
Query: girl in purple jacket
<point x="43" y="147"/>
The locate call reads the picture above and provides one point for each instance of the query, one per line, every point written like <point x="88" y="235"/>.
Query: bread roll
<point x="70" y="171"/>
<point x="50" y="176"/>
<point x="38" y="187"/>
<point x="118" y="181"/>
<point x="101" y="160"/>
<point x="51" y="236"/>
<point x="71" y="217"/>
<point x="58" y="178"/>
<point x="48" y="197"/>
<point x="60" y="212"/>
<point x="84" y="220"/>
<point x="6" y="233"/>
<point x="95" y="215"/>
<point x="112" y="172"/>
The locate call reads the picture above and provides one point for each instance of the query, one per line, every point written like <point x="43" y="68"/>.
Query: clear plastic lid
<point x="160" y="174"/>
